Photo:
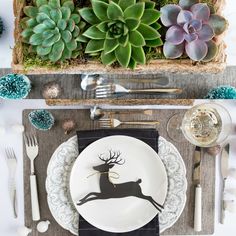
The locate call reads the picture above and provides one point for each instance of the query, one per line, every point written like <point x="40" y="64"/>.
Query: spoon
<point x="97" y="113"/>
<point x="91" y="82"/>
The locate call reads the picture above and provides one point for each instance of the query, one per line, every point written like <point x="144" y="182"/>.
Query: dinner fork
<point x="32" y="150"/>
<point x="12" y="163"/>
<point x="113" y="123"/>
<point x="108" y="90"/>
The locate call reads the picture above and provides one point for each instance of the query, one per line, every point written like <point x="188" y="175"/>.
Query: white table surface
<point x="7" y="40"/>
<point x="10" y="113"/>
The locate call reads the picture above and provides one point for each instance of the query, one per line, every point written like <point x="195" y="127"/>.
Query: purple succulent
<point x="191" y="28"/>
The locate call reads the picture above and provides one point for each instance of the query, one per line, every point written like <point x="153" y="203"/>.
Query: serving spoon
<point x="91" y="82"/>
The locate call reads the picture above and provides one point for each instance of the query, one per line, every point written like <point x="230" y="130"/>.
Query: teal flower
<point x="14" y="86"/>
<point x="222" y="92"/>
<point x="41" y="119"/>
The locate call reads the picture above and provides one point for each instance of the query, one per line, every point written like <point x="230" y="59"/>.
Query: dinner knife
<point x="224" y="173"/>
<point x="198" y="189"/>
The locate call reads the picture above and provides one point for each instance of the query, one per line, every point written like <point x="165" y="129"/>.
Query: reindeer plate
<point x="58" y="195"/>
<point x="118" y="184"/>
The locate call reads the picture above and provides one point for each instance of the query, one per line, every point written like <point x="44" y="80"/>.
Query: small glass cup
<point x="204" y="125"/>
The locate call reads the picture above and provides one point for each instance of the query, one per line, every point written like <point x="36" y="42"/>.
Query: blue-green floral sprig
<point x="14" y="86"/>
<point x="1" y="27"/>
<point x="222" y="92"/>
<point x="41" y="119"/>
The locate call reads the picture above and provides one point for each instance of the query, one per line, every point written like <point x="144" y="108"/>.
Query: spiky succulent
<point x="121" y="29"/>
<point x="1" y="27"/>
<point x="52" y="28"/>
<point x="191" y="29"/>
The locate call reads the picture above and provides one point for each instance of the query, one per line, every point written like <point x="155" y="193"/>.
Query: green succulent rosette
<point x="120" y="29"/>
<point x="52" y="27"/>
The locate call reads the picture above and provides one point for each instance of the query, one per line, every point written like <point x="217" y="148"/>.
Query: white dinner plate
<point x="118" y="183"/>
<point x="57" y="184"/>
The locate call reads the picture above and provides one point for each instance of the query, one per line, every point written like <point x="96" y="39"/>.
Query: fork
<point x="113" y="123"/>
<point x="107" y="90"/>
<point x="12" y="163"/>
<point x="32" y="150"/>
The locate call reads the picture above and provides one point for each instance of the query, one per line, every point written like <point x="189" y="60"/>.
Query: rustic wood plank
<point x="195" y="86"/>
<point x="49" y="141"/>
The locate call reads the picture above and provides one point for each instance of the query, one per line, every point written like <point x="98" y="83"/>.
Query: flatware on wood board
<point x="32" y="151"/>
<point x="113" y="123"/>
<point x="90" y="82"/>
<point x="110" y="90"/>
<point x="225" y="174"/>
<point x="97" y="113"/>
<point x="12" y="164"/>
<point x="198" y="189"/>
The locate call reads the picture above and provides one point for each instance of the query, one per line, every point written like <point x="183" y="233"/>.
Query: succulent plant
<point x="191" y="29"/>
<point x="120" y="29"/>
<point x="1" y="27"/>
<point x="14" y="86"/>
<point x="52" y="28"/>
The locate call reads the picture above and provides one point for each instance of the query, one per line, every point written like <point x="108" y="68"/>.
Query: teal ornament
<point x="222" y="92"/>
<point x="41" y="119"/>
<point x="14" y="86"/>
<point x="1" y="27"/>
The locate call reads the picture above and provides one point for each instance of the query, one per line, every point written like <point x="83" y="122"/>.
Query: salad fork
<point x="12" y="163"/>
<point x="32" y="150"/>
<point x="108" y="90"/>
<point x="113" y="123"/>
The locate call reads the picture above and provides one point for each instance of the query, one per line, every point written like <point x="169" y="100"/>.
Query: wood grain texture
<point x="49" y="141"/>
<point x="194" y="86"/>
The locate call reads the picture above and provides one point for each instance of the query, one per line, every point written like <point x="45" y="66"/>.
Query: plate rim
<point x="74" y="137"/>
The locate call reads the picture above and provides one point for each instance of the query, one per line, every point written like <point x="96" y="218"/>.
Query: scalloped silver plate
<point x="58" y="194"/>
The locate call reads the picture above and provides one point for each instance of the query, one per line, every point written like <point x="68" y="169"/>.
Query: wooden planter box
<point x="153" y="66"/>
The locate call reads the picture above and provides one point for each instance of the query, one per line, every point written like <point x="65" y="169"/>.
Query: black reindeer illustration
<point x="111" y="190"/>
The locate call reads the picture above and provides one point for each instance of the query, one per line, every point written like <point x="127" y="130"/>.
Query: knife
<point x="224" y="173"/>
<point x="198" y="189"/>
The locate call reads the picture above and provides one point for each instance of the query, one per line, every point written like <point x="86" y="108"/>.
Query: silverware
<point x="12" y="164"/>
<point x="225" y="174"/>
<point x="90" y="82"/>
<point x="198" y="189"/>
<point x="97" y="113"/>
<point x="106" y="91"/>
<point x="32" y="150"/>
<point x="113" y="123"/>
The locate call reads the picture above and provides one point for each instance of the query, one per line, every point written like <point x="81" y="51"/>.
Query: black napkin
<point x="86" y="137"/>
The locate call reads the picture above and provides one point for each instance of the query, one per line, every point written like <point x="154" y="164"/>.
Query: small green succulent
<point x="120" y="29"/>
<point x="52" y="27"/>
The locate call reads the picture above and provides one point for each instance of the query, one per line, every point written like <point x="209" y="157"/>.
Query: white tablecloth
<point x="10" y="113"/>
<point x="7" y="41"/>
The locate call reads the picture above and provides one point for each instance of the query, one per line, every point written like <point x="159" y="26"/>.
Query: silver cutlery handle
<point x="222" y="214"/>
<point x="158" y="80"/>
<point x="198" y="209"/>
<point x="13" y="198"/>
<point x="34" y="198"/>
<point x="140" y="122"/>
<point x="157" y="90"/>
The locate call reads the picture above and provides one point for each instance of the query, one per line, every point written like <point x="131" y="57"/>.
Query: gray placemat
<point x="50" y="140"/>
<point x="195" y="86"/>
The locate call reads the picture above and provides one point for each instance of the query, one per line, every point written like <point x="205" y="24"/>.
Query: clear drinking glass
<point x="204" y="125"/>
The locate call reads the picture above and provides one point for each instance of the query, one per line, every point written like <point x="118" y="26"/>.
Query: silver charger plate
<point x="58" y="193"/>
